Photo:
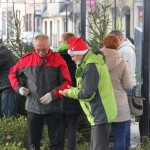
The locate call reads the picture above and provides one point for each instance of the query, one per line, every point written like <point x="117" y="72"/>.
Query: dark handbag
<point x="135" y="104"/>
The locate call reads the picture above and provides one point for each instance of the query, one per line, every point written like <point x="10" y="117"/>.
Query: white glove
<point x="24" y="91"/>
<point x="47" y="98"/>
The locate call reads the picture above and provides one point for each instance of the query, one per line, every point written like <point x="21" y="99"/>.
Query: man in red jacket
<point x="46" y="73"/>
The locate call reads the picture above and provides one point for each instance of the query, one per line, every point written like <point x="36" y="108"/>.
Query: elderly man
<point x="94" y="92"/>
<point x="127" y="51"/>
<point x="46" y="73"/>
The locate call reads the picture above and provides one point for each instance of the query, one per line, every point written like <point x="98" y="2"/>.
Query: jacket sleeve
<point x="64" y="77"/>
<point x="14" y="74"/>
<point x="90" y="79"/>
<point x="126" y="78"/>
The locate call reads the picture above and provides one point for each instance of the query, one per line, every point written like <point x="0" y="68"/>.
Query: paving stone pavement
<point x="135" y="134"/>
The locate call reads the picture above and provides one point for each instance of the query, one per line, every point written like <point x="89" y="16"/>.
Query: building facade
<point x="60" y="17"/>
<point x="53" y="17"/>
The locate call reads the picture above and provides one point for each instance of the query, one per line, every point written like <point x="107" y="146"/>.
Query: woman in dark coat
<point x="71" y="108"/>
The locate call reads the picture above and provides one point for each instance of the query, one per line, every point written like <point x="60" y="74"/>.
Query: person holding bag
<point x="121" y="81"/>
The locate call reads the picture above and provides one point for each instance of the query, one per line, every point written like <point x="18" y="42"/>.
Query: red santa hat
<point x="77" y="46"/>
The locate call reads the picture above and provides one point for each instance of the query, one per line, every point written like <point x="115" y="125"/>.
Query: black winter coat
<point x="7" y="60"/>
<point x="70" y="106"/>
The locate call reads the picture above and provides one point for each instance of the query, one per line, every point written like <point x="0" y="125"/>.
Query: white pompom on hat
<point x="77" y="46"/>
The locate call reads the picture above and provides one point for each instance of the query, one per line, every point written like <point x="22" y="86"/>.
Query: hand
<point x="47" y="98"/>
<point x="24" y="91"/>
<point x="69" y="87"/>
<point x="64" y="92"/>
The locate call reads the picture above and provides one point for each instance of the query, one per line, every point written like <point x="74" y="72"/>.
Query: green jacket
<point x="94" y="90"/>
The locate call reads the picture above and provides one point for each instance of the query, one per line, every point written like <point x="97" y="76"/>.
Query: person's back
<point x="71" y="108"/>
<point x="127" y="51"/>
<point x="121" y="81"/>
<point x="7" y="60"/>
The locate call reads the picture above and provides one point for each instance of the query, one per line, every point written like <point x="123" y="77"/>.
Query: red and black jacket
<point x="43" y="75"/>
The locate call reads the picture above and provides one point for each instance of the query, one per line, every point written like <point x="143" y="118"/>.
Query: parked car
<point x="28" y="37"/>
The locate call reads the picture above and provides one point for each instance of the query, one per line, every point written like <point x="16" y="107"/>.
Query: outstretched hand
<point x="64" y="92"/>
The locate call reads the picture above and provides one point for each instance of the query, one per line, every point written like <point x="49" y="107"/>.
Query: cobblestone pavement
<point x="135" y="134"/>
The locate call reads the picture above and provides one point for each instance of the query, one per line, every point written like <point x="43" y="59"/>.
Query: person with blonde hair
<point x="46" y="73"/>
<point x="121" y="81"/>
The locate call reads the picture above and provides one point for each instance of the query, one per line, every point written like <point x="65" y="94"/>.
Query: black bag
<point x="135" y="103"/>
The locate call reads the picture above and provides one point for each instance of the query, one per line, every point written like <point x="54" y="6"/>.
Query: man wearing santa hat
<point x="94" y="92"/>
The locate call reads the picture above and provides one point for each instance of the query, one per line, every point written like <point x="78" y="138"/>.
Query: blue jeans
<point x="9" y="103"/>
<point x="121" y="131"/>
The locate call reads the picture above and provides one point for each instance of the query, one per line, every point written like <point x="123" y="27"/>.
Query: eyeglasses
<point x="42" y="50"/>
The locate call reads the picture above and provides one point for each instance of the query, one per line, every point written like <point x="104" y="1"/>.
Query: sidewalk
<point x="135" y="134"/>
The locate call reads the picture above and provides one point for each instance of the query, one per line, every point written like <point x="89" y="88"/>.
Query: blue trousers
<point x="121" y="131"/>
<point x="9" y="103"/>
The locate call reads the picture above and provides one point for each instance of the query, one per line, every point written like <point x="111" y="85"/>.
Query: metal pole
<point x="66" y="16"/>
<point x="115" y="14"/>
<point x="83" y="18"/>
<point x="0" y="20"/>
<point x="34" y="18"/>
<point x="144" y="121"/>
<point x="7" y="23"/>
<point x="25" y="16"/>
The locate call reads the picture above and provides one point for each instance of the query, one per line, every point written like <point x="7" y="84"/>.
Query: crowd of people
<point x="61" y="85"/>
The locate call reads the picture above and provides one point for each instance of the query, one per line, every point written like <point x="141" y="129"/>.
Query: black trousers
<point x="36" y="123"/>
<point x="69" y="129"/>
